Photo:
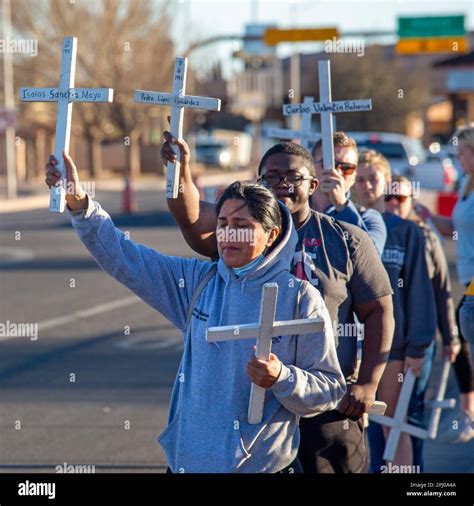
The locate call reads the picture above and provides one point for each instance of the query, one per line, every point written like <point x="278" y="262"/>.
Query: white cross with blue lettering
<point x="177" y="100"/>
<point x="65" y="94"/>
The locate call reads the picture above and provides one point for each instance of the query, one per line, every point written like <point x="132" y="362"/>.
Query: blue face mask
<point x="240" y="271"/>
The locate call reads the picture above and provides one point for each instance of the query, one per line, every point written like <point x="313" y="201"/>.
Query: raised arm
<point x="164" y="282"/>
<point x="196" y="218"/>
<point x="444" y="225"/>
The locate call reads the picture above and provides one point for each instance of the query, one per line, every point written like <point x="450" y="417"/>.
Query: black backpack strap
<point x="204" y="281"/>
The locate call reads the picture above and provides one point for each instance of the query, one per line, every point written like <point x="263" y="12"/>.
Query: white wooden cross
<point x="326" y="107"/>
<point x="304" y="134"/>
<point x="65" y="94"/>
<point x="177" y="100"/>
<point x="264" y="331"/>
<point x="398" y="424"/>
<point x="439" y="402"/>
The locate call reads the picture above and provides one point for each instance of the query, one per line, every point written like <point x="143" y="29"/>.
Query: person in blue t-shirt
<point x="460" y="226"/>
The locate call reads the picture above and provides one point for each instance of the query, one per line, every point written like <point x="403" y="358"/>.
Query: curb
<point x="205" y="180"/>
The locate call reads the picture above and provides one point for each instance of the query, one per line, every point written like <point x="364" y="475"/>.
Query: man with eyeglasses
<point x="341" y="261"/>
<point x="332" y="196"/>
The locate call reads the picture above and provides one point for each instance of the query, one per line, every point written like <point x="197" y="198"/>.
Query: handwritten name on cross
<point x="304" y="134"/>
<point x="177" y="100"/>
<point x="65" y="94"/>
<point x="326" y="107"/>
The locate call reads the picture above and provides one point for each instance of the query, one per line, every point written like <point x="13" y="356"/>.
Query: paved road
<point x="123" y="354"/>
<point x="120" y="353"/>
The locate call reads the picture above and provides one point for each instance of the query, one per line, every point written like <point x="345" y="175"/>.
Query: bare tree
<point x="123" y="44"/>
<point x="395" y="88"/>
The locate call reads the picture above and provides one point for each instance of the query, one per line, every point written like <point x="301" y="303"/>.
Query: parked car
<point x="402" y="152"/>
<point x="437" y="172"/>
<point x="227" y="149"/>
<point x="408" y="157"/>
<point x="212" y="152"/>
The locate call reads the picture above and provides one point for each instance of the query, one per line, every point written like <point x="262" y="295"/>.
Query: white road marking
<point x="87" y="313"/>
<point x="144" y="343"/>
<point x="140" y="343"/>
<point x="14" y="255"/>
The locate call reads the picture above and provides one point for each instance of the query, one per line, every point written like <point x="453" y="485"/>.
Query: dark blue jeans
<point x="416" y="416"/>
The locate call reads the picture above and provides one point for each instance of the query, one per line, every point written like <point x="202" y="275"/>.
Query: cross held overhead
<point x="177" y="100"/>
<point x="65" y="94"/>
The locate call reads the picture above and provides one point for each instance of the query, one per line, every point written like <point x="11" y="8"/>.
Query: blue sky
<point x="197" y="19"/>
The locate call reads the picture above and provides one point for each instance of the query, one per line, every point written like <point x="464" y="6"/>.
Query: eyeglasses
<point x="271" y="180"/>
<point x="401" y="198"/>
<point x="347" y="168"/>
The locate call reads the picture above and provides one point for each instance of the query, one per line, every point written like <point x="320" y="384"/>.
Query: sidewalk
<point x="35" y="195"/>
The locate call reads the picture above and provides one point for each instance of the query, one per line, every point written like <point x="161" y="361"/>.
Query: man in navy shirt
<point x="341" y="261"/>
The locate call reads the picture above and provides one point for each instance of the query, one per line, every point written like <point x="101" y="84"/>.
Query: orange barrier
<point x="128" y="198"/>
<point x="446" y="202"/>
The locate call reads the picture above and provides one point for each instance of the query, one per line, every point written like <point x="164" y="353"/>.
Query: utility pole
<point x="254" y="4"/>
<point x="9" y="101"/>
<point x="295" y="86"/>
<point x="295" y="72"/>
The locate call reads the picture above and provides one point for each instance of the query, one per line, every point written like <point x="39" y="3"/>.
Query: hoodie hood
<point x="208" y="429"/>
<point x="278" y="260"/>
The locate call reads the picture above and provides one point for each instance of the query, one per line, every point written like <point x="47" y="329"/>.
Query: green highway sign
<point x="430" y="26"/>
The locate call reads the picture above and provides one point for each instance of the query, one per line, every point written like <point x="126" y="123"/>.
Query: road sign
<point x="257" y="47"/>
<point x="455" y="45"/>
<point x="431" y="26"/>
<point x="273" y="36"/>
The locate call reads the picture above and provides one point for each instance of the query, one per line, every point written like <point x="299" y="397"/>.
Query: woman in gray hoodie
<point x="207" y="427"/>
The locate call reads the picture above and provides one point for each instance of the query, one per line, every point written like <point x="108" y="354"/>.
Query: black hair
<point x="262" y="204"/>
<point x="289" y="148"/>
